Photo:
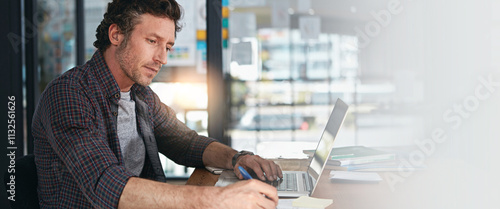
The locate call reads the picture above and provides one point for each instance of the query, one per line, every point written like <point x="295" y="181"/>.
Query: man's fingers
<point x="252" y="193"/>
<point x="269" y="169"/>
<point x="274" y="170"/>
<point x="266" y="202"/>
<point x="260" y="166"/>
<point x="257" y="168"/>
<point x="269" y="192"/>
<point x="280" y="172"/>
<point x="237" y="172"/>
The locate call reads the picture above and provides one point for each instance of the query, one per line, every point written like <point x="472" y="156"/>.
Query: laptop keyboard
<point x="307" y="183"/>
<point x="287" y="183"/>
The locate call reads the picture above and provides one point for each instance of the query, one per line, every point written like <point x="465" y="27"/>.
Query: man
<point x="98" y="128"/>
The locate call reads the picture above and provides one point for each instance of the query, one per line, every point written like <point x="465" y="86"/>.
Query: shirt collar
<point x="104" y="76"/>
<point x="107" y="80"/>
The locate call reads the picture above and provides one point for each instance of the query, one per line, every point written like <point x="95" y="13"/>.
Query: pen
<point x="244" y="173"/>
<point x="247" y="176"/>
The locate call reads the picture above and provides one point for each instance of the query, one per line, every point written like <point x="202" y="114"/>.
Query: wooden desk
<point x="421" y="189"/>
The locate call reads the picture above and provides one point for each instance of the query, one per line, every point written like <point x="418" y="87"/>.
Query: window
<point x="288" y="61"/>
<point x="56" y="39"/>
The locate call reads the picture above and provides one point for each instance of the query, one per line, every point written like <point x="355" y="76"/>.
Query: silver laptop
<point x="301" y="183"/>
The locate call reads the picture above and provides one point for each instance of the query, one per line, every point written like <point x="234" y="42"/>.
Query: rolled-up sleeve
<point x="175" y="140"/>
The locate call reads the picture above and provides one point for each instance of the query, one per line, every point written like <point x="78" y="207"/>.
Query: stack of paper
<point x="303" y="202"/>
<point x="355" y="155"/>
<point x="311" y="202"/>
<point x="352" y="176"/>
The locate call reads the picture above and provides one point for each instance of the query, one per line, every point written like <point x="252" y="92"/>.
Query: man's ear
<point x="114" y="35"/>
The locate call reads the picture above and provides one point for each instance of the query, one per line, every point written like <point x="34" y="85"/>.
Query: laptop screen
<point x="325" y="144"/>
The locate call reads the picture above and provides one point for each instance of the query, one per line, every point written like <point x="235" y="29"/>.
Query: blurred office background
<point x="263" y="75"/>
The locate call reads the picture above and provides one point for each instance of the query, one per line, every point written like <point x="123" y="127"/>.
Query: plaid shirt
<point x="77" y="152"/>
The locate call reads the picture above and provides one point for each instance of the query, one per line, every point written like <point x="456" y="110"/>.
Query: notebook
<point x="303" y="183"/>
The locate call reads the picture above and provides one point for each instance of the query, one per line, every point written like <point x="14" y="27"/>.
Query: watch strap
<point x="240" y="153"/>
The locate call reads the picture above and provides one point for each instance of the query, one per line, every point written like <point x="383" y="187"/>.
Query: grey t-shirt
<point x="131" y="143"/>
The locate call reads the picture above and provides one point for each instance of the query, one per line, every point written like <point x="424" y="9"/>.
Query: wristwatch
<point x="240" y="153"/>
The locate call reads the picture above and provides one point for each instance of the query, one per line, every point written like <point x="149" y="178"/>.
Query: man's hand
<point x="246" y="194"/>
<point x="264" y="169"/>
<point x="219" y="155"/>
<point x="142" y="193"/>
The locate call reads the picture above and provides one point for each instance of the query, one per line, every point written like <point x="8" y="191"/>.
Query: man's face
<point x="142" y="55"/>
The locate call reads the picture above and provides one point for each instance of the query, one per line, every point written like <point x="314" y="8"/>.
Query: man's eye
<point x="151" y="41"/>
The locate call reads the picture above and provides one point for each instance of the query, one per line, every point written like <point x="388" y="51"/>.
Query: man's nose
<point x="161" y="56"/>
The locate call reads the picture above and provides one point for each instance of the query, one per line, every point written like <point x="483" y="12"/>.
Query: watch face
<point x="246" y="153"/>
<point x="240" y="153"/>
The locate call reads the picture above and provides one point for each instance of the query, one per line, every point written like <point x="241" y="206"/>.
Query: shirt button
<point x="115" y="113"/>
<point x="117" y="96"/>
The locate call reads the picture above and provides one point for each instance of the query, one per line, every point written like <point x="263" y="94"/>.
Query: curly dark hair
<point x="125" y="13"/>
